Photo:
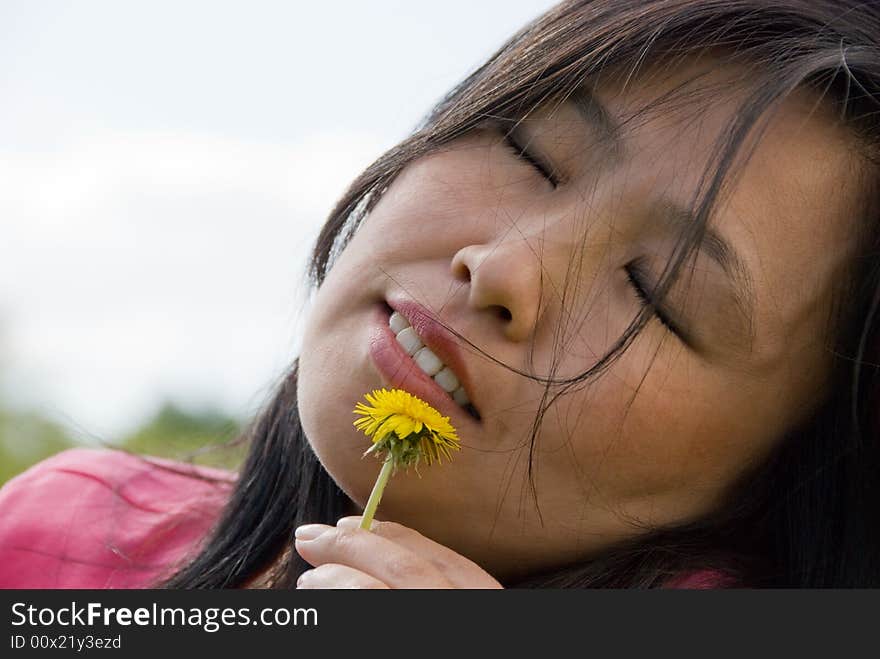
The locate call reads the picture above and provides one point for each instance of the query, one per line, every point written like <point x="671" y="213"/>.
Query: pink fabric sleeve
<point x="701" y="580"/>
<point x="101" y="518"/>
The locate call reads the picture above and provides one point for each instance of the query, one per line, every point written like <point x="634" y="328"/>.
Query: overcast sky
<point x="164" y="167"/>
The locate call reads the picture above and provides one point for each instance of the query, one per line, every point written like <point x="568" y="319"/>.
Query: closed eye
<point x="524" y="154"/>
<point x="636" y="278"/>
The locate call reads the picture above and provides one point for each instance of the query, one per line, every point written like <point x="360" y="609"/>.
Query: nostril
<point x="460" y="269"/>
<point x="504" y="314"/>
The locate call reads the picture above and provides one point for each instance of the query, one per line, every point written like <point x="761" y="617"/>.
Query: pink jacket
<point x="101" y="518"/>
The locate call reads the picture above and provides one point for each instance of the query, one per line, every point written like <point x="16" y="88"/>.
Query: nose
<point x="504" y="280"/>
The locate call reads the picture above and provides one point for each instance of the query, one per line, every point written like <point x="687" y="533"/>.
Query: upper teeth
<point x="426" y="360"/>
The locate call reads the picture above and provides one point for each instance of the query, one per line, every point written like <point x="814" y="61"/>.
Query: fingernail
<point x="303" y="578"/>
<point x="348" y="522"/>
<point x="309" y="531"/>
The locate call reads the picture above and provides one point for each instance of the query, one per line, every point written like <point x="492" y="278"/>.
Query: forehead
<point x="790" y="212"/>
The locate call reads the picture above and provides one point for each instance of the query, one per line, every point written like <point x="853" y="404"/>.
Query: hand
<point x="388" y="556"/>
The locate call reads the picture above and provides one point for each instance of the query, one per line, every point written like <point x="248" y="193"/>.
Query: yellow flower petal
<point x="398" y="414"/>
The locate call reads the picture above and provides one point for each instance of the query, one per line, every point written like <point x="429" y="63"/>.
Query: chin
<point x="338" y="445"/>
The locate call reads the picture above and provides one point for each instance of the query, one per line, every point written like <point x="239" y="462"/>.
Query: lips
<point x="398" y="369"/>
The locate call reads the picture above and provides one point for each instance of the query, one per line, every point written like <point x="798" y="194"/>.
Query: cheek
<point x="658" y="435"/>
<point x="471" y="184"/>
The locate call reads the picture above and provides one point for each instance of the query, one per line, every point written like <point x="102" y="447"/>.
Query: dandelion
<point x="407" y="431"/>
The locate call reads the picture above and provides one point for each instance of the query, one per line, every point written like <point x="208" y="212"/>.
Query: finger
<point x="379" y="557"/>
<point x="333" y="575"/>
<point x="460" y="571"/>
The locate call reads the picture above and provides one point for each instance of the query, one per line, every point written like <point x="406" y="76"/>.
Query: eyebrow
<point x="713" y="243"/>
<point x="597" y="116"/>
<point x="720" y="250"/>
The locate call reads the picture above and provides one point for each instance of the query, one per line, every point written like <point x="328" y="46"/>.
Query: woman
<point x="639" y="244"/>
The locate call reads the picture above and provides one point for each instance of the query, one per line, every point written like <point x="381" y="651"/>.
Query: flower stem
<point x="376" y="494"/>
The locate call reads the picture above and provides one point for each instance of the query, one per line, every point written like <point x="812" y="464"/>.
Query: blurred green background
<point x="26" y="437"/>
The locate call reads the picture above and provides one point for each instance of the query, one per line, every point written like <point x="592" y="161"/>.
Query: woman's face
<point x="536" y="276"/>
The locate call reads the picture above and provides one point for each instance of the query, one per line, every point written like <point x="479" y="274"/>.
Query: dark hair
<point x="809" y="514"/>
